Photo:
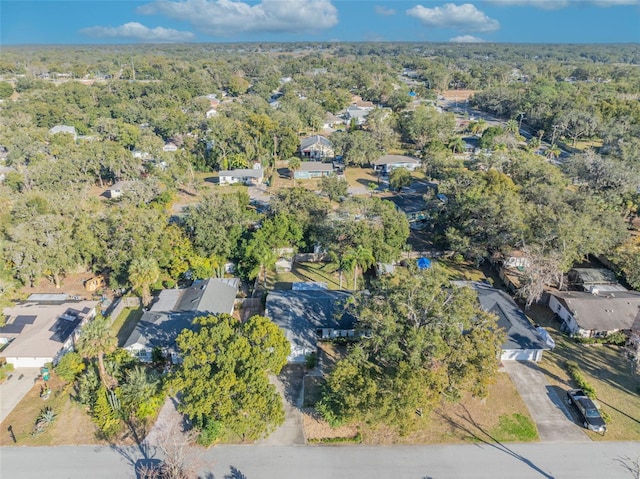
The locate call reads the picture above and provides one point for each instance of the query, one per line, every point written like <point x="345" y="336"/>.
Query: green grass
<point x="305" y="272"/>
<point x="125" y="323"/>
<point x="514" y="428"/>
<point x="461" y="270"/>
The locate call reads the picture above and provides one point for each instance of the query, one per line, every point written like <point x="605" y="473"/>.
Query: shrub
<point x="210" y="433"/>
<point x="70" y="366"/>
<point x="578" y="377"/>
<point x="310" y="360"/>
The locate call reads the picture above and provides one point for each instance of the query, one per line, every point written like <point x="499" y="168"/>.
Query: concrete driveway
<point x="15" y="388"/>
<point x="545" y="403"/>
<point x="289" y="385"/>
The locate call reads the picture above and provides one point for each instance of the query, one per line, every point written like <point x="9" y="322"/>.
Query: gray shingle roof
<point x="175" y="311"/>
<point x="300" y="313"/>
<point x="312" y="140"/>
<point x="315" y="166"/>
<point x="520" y="332"/>
<point x="618" y="310"/>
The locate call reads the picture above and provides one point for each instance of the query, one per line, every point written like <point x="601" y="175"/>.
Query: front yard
<point x="605" y="368"/>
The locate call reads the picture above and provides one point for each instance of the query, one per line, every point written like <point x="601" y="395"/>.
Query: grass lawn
<point x="605" y="368"/>
<point x="464" y="270"/>
<point x="500" y="417"/>
<point x="303" y="272"/>
<point x="125" y="323"/>
<point x="71" y="426"/>
<point x="360" y="177"/>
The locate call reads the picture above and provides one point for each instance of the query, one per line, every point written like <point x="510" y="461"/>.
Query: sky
<point x="180" y="21"/>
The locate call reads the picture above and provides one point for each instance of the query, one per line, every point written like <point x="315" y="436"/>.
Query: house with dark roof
<point x="412" y="205"/>
<point x="174" y="310"/>
<point x="524" y="342"/>
<point x="594" y="280"/>
<point x="316" y="147"/>
<point x="308" y="316"/>
<point x="37" y="333"/>
<point x="387" y="163"/>
<point x="596" y="315"/>
<point x="313" y="169"/>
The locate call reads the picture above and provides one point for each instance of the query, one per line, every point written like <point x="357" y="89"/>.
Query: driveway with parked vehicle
<point x="548" y="409"/>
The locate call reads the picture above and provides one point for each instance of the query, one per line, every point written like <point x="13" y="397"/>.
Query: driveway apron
<point x="548" y="410"/>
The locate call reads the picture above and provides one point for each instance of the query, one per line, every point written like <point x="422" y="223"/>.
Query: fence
<point x="118" y="306"/>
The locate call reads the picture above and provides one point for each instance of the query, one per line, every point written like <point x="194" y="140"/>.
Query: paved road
<point x="14" y="389"/>
<point x="478" y="461"/>
<point x="555" y="423"/>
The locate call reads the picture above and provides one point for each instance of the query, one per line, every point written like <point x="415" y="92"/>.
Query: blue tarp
<point x="423" y="263"/>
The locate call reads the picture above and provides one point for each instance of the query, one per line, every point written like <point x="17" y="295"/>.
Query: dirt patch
<point x="72" y="284"/>
<point x="457" y="95"/>
<point x="317" y="429"/>
<point x="249" y="307"/>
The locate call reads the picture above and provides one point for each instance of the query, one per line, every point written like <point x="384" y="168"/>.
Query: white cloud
<point x="385" y="11"/>
<point x="229" y="17"/>
<point x="466" y="39"/>
<point x="138" y="32"/>
<point x="464" y="17"/>
<point x="558" y="4"/>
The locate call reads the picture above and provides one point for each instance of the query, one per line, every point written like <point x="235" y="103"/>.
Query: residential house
<point x="69" y="130"/>
<point x="594" y="280"/>
<point x="412" y="205"/>
<point x="356" y="114"/>
<point x="118" y="189"/>
<point x="43" y="329"/>
<point x="246" y="176"/>
<point x="313" y="169"/>
<point x="510" y="268"/>
<point x="316" y="147"/>
<point x="308" y="316"/>
<point x="387" y="163"/>
<point x="523" y="342"/>
<point x="332" y="121"/>
<point x="596" y="315"/>
<point x="211" y="113"/>
<point x="174" y="311"/>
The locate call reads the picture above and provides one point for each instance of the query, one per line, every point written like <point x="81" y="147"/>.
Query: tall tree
<point x="143" y="272"/>
<point x="96" y="339"/>
<point x="223" y="376"/>
<point x="422" y="341"/>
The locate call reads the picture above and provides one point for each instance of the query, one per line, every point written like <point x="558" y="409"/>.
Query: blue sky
<point x="161" y="21"/>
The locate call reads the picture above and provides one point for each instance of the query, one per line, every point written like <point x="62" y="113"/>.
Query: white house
<point x="387" y="163"/>
<point x="69" y="130"/>
<point x="40" y="332"/>
<point x="246" y="176"/>
<point x="169" y="146"/>
<point x="596" y="315"/>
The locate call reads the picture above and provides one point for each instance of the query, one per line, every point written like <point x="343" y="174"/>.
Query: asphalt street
<point x="597" y="460"/>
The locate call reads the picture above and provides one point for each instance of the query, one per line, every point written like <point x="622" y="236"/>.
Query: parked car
<point x="589" y="414"/>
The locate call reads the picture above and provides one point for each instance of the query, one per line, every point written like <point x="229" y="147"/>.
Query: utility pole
<point x="133" y="70"/>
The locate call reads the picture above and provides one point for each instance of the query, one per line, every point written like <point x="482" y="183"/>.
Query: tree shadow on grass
<point x="463" y="423"/>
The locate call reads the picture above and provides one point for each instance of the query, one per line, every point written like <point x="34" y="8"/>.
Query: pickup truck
<point x="589" y="414"/>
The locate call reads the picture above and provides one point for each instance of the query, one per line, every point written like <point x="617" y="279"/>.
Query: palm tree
<point x="534" y="143"/>
<point x="512" y="127"/>
<point x="361" y="257"/>
<point x="553" y="152"/>
<point x="143" y="272"/>
<point x="456" y="144"/>
<point x="96" y="339"/>
<point x="477" y="127"/>
<point x="140" y="387"/>
<point x="294" y="165"/>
